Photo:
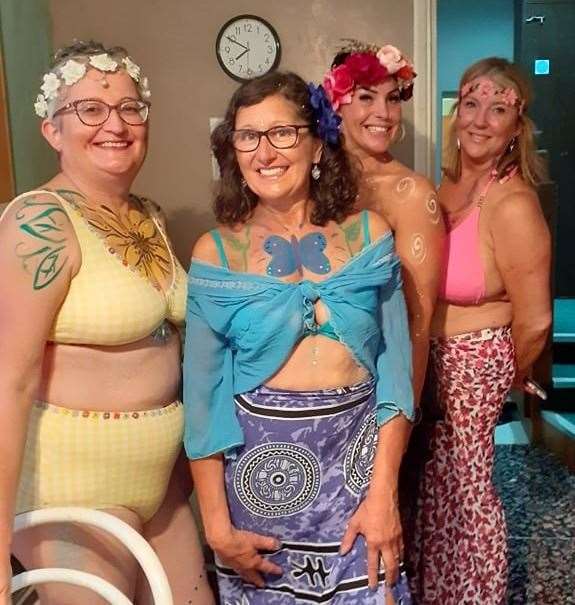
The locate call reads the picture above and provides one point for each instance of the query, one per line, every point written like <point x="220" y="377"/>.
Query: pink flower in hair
<point x="338" y="85"/>
<point x="486" y="88"/>
<point x="509" y="97"/>
<point x="391" y="58"/>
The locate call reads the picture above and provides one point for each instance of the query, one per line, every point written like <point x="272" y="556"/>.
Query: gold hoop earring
<point x="401" y="131"/>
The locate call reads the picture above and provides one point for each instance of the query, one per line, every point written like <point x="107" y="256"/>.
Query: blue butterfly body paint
<point x="290" y="256"/>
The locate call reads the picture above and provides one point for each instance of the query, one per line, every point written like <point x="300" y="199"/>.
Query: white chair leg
<point x="71" y="576"/>
<point x="128" y="536"/>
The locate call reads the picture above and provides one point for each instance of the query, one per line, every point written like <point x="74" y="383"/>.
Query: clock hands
<point x="242" y="54"/>
<point x="238" y="43"/>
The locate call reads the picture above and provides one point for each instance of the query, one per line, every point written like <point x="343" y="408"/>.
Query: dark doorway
<point x="545" y="31"/>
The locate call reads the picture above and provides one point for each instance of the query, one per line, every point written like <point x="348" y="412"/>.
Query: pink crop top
<point x="463" y="279"/>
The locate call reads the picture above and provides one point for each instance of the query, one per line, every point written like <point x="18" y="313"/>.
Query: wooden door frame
<point x="6" y="164"/>
<point x="424" y="92"/>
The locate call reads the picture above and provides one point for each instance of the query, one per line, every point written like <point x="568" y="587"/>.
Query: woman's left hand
<point x="377" y="520"/>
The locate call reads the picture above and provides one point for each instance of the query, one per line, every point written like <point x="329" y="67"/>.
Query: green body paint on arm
<point x="43" y="251"/>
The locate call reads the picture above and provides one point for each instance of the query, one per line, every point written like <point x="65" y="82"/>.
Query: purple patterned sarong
<point x="303" y="471"/>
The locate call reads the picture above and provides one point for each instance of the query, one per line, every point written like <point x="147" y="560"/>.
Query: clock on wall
<point x="247" y="46"/>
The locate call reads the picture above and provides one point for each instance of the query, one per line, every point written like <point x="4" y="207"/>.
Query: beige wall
<point x="174" y="42"/>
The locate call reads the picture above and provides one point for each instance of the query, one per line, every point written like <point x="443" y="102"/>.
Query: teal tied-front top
<point x="242" y="327"/>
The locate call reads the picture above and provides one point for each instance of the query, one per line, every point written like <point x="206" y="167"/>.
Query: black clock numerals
<point x="247" y="46"/>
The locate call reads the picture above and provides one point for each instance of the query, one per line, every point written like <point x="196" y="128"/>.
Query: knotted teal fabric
<point x="242" y="327"/>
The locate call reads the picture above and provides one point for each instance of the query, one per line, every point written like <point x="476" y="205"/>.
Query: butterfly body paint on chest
<point x="289" y="256"/>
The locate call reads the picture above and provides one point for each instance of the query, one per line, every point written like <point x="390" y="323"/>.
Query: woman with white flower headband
<point x="489" y="327"/>
<point x="90" y="297"/>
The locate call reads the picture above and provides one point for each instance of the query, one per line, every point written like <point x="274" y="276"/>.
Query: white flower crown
<point x="75" y="69"/>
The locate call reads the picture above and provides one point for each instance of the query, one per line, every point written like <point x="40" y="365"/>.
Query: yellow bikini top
<point x="109" y="303"/>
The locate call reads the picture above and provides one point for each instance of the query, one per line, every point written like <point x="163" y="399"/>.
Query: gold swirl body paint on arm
<point x="418" y="248"/>
<point x="432" y="207"/>
<point x="405" y="188"/>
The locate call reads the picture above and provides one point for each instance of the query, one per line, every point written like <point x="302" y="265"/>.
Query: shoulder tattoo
<point x="43" y="245"/>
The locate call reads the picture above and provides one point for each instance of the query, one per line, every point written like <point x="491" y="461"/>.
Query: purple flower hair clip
<point x="327" y="121"/>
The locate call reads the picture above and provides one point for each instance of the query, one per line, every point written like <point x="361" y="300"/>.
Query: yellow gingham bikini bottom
<point x="99" y="459"/>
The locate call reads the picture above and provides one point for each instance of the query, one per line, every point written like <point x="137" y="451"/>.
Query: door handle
<point x="536" y="19"/>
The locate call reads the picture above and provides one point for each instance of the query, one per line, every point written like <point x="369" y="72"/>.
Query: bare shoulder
<point x="205" y="249"/>
<point x="38" y="244"/>
<point x="410" y="185"/>
<point x="415" y="203"/>
<point x="517" y="223"/>
<point x="517" y="202"/>
<point x="38" y="214"/>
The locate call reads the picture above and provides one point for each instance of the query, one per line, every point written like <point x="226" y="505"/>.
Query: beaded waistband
<point x="103" y="415"/>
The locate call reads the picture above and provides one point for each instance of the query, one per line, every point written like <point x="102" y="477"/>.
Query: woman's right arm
<point x="235" y="548"/>
<point x="38" y="256"/>
<point x="211" y="428"/>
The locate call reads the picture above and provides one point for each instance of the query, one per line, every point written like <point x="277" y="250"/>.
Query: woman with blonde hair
<point x="489" y="327"/>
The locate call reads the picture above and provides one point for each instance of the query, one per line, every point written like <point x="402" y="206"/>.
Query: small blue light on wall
<point x="542" y="67"/>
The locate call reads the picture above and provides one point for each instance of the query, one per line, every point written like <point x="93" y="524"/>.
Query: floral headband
<point x="367" y="65"/>
<point x="486" y="88"/>
<point x="74" y="70"/>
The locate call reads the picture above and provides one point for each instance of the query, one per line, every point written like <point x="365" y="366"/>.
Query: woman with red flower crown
<point x="366" y="86"/>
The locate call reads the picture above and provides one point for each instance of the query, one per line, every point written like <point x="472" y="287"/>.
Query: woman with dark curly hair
<point x="367" y="85"/>
<point x="297" y="377"/>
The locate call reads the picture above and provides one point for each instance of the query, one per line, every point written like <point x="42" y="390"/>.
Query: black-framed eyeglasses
<point x="280" y="137"/>
<point x="93" y="112"/>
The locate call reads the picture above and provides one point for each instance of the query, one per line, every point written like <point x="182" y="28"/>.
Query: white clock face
<point x="247" y="47"/>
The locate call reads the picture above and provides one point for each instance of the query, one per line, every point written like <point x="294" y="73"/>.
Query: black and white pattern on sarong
<point x="358" y="463"/>
<point x="277" y="479"/>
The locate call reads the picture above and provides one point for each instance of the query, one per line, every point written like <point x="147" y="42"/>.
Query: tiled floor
<point x="539" y="498"/>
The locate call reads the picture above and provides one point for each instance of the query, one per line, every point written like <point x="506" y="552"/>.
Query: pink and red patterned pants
<point x="460" y="547"/>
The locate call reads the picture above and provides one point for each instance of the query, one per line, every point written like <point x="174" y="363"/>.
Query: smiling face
<point x="486" y="122"/>
<point x="113" y="149"/>
<point x="371" y="121"/>
<point x="277" y="175"/>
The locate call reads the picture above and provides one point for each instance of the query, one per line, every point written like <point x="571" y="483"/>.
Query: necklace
<point x="274" y="215"/>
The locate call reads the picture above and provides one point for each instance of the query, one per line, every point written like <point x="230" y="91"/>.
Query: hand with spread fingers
<point x="240" y="550"/>
<point x="377" y="520"/>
